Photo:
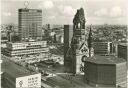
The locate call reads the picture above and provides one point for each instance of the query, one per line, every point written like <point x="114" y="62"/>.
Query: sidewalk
<point x="78" y="79"/>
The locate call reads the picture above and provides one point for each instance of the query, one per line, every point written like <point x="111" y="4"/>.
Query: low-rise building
<point x="105" y="71"/>
<point x="103" y="48"/>
<point x="26" y="48"/>
<point x="3" y="43"/>
<point x="122" y="50"/>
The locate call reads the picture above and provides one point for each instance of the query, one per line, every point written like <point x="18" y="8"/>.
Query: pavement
<point x="64" y="80"/>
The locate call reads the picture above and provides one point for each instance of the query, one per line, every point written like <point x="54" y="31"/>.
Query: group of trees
<point x="15" y="38"/>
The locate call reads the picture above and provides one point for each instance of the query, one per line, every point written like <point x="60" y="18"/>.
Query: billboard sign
<point x="31" y="81"/>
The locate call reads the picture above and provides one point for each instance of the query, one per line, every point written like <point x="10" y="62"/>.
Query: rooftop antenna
<point x="26" y="3"/>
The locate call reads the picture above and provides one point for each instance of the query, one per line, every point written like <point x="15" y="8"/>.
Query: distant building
<point x="30" y="23"/>
<point x="56" y="26"/>
<point x="107" y="71"/>
<point x="59" y="34"/>
<point x="122" y="51"/>
<point x="3" y="35"/>
<point x="103" y="48"/>
<point x="3" y="43"/>
<point x="61" y="39"/>
<point x="58" y="37"/>
<point x="26" y="48"/>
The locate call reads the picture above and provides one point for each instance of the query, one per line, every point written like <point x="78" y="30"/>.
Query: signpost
<point x="31" y="81"/>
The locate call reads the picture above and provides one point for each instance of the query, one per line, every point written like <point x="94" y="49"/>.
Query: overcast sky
<point x="62" y="11"/>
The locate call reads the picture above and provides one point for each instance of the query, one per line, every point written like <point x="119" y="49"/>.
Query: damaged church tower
<point x="78" y="49"/>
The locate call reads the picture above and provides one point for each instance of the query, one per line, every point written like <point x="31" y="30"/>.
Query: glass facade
<point x="30" y="23"/>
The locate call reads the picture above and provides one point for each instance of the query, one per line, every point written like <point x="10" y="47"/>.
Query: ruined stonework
<point x="78" y="49"/>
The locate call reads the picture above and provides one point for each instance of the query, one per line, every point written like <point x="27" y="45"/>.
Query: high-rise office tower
<point x="30" y="22"/>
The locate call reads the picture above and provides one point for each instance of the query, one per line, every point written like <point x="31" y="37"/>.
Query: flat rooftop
<point x="97" y="59"/>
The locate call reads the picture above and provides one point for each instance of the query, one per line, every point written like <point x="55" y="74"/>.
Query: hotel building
<point x="30" y="23"/>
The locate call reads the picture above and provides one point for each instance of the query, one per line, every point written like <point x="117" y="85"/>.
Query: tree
<point x="15" y="38"/>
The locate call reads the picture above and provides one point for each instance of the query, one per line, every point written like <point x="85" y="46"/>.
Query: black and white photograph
<point x="63" y="44"/>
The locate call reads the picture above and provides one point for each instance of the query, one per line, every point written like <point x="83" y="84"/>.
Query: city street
<point x="60" y="80"/>
<point x="65" y="80"/>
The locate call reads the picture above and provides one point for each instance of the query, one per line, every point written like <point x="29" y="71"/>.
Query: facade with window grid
<point x="30" y="23"/>
<point x="122" y="51"/>
<point x="103" y="48"/>
<point x="26" y="48"/>
<point x="105" y="71"/>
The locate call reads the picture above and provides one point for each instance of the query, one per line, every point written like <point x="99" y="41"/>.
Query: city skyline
<point x="62" y="11"/>
<point x="51" y="44"/>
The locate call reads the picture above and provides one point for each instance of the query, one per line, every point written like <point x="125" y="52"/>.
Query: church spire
<point x="90" y="40"/>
